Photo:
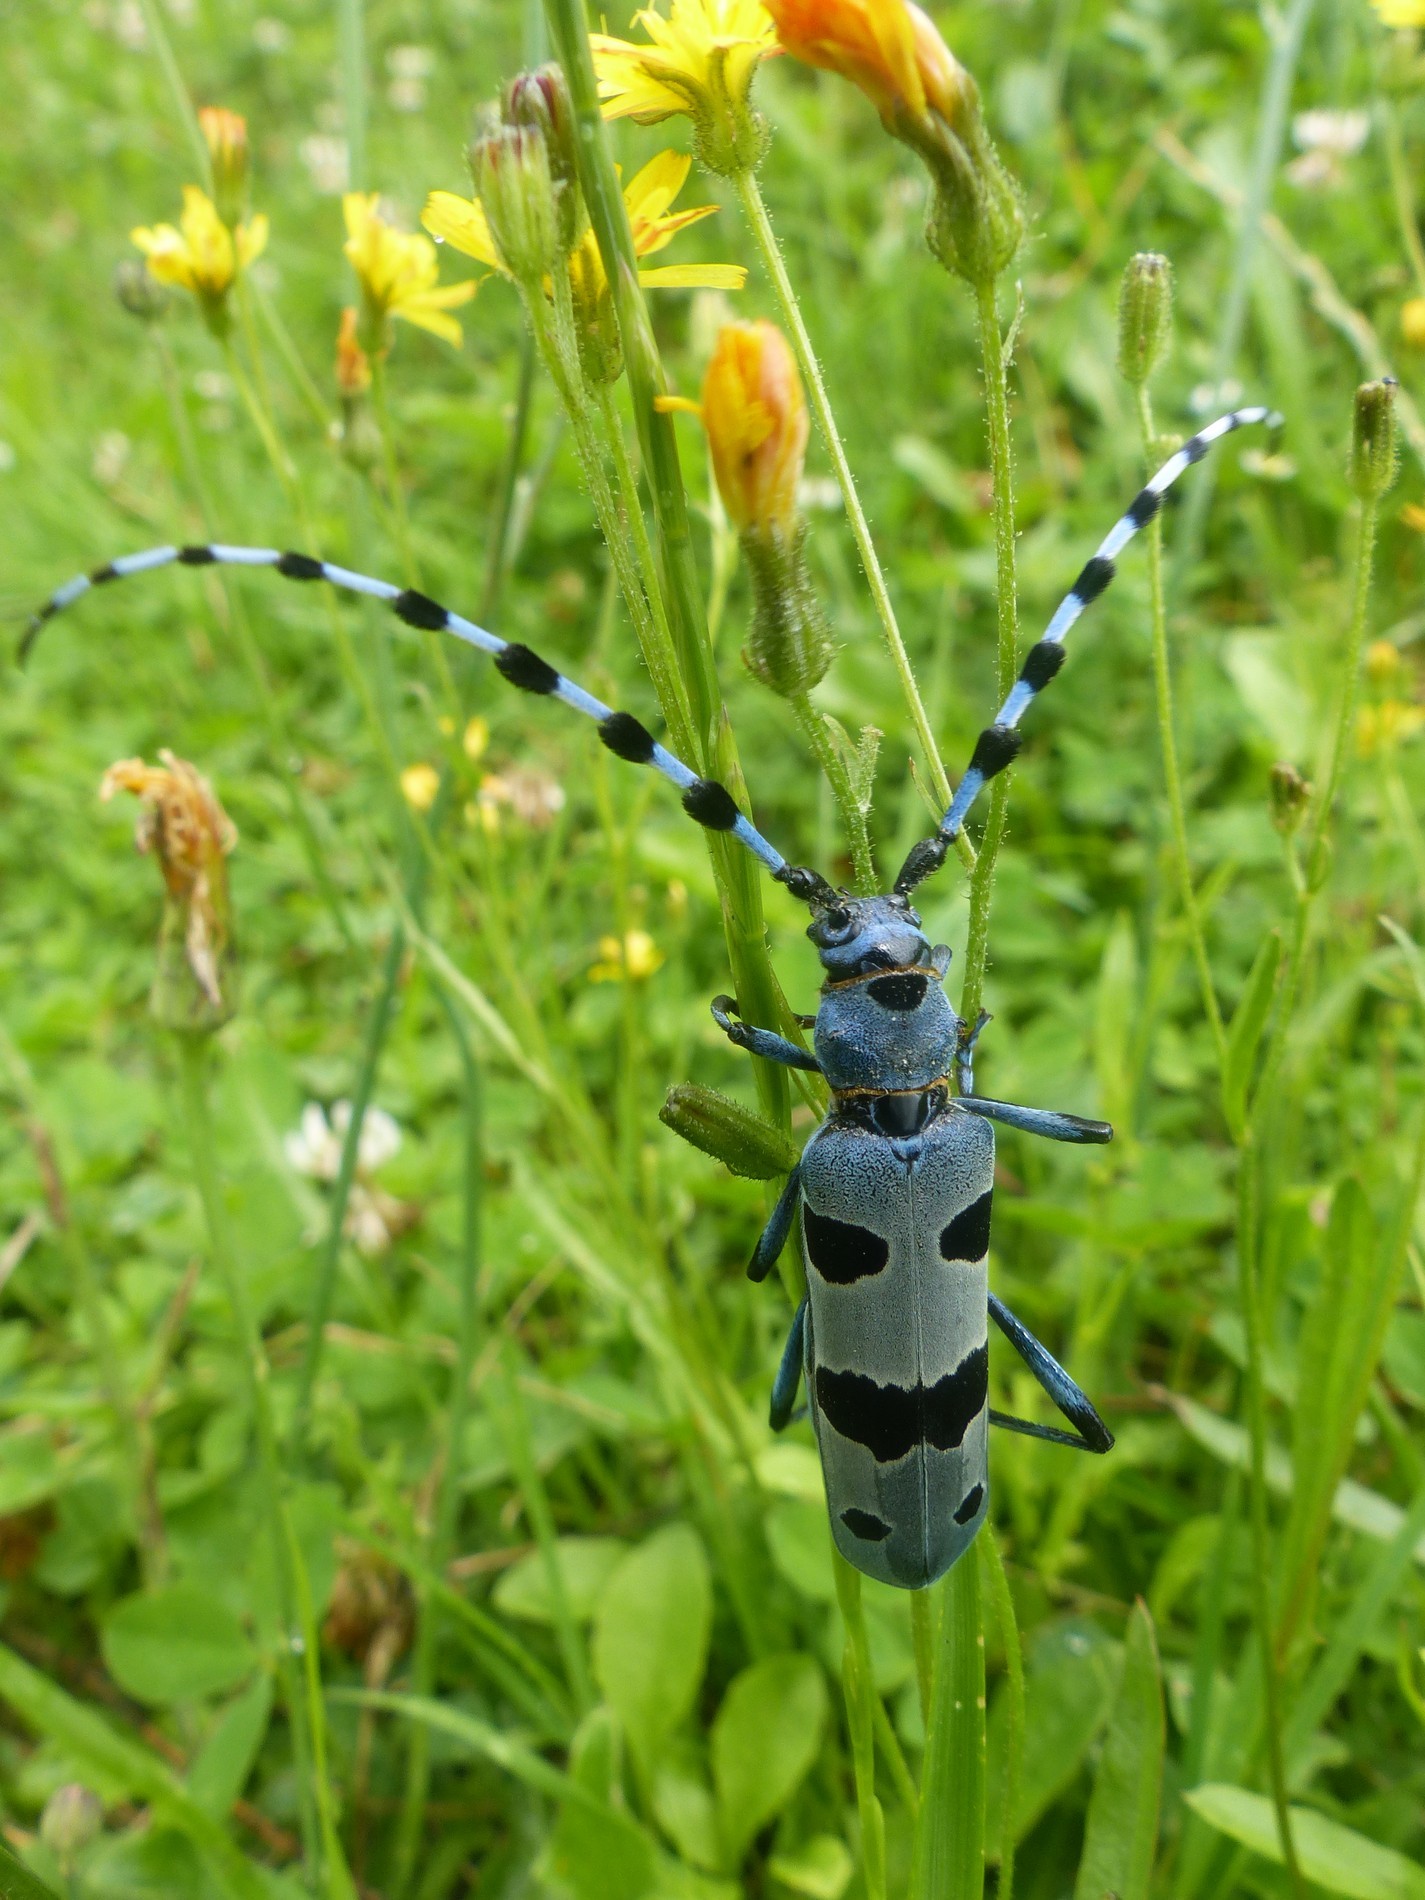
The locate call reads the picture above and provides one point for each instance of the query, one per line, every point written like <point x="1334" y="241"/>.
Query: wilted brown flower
<point x="186" y="828"/>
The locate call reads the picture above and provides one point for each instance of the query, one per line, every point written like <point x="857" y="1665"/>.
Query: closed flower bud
<point x="71" y="1819"/>
<point x="187" y="830"/>
<point x="516" y="186"/>
<point x="540" y="101"/>
<point x="225" y="134"/>
<point x="1371" y="469"/>
<point x="1288" y="796"/>
<point x="789" y="646"/>
<point x="736" y="1136"/>
<point x="139" y="292"/>
<point x="756" y="418"/>
<point x="1145" y="316"/>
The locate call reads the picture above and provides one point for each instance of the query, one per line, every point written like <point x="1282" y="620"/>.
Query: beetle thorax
<point x="885" y="1024"/>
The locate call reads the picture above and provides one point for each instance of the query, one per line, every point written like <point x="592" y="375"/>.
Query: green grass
<point x="572" y="1623"/>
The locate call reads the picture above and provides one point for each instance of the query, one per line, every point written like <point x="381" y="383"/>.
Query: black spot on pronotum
<point x="967" y="1237"/>
<point x="299" y="567"/>
<point x="1194" y="449"/>
<point x="994" y="749"/>
<point x="953" y="1403"/>
<point x="865" y="1525"/>
<point x="1041" y="663"/>
<point x="883" y="1418"/>
<point x="1144" y="505"/>
<point x="108" y="572"/>
<point x="971" y="1503"/>
<point x="627" y="738"/>
<point x="419" y="610"/>
<point x="197" y="557"/>
<point x="841" y="1252"/>
<point x="899" y="992"/>
<point x="522" y="667"/>
<point x="711" y="804"/>
<point x="1096" y="575"/>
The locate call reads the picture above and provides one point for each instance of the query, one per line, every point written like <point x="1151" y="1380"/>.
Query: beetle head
<point x="856" y="936"/>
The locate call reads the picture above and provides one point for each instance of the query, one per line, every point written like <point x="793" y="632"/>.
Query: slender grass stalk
<point x="156" y="28"/>
<point x="949" y="1859"/>
<point x="754" y="209"/>
<point x="498" y="546"/>
<point x="861" y="1698"/>
<point x="997" y="1583"/>
<point x="306" y="1709"/>
<point x="1168" y="744"/>
<point x="922" y="1634"/>
<point x="447" y="1500"/>
<point x="351" y="44"/>
<point x="395" y="487"/>
<point x="992" y="356"/>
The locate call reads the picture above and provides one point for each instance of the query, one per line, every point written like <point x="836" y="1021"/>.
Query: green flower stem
<point x="157" y="32"/>
<point x="754" y="209"/>
<point x="949" y="1857"/>
<point x="447" y="1501"/>
<point x="737" y="875"/>
<point x="860" y="1691"/>
<point x="306" y="1709"/>
<point x="351" y="40"/>
<point x="997" y="1583"/>
<point x="1167" y="739"/>
<point x="633" y="511"/>
<point x="1006" y="643"/>
<point x="1403" y="192"/>
<point x="498" y="551"/>
<point x="279" y="740"/>
<point x="853" y="816"/>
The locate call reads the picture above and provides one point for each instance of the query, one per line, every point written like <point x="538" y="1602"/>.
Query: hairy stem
<point x="853" y="814"/>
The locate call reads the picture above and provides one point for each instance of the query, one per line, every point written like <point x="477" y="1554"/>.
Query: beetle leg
<point x="760" y="1042"/>
<point x="789" y="1373"/>
<point x="774" y="1235"/>
<point x="965" y="1054"/>
<point x="1089" y="1433"/>
<point x="1051" y="1123"/>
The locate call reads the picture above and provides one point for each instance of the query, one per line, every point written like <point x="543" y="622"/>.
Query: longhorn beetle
<point x="895" y="1185"/>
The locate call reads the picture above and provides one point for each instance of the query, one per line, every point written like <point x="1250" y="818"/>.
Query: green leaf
<point x="1121" y="1833"/>
<point x="821" y="1868"/>
<point x="17" y="1882"/>
<point x="1331" y="1856"/>
<point x="585" y="1563"/>
<point x="95" y="1745"/>
<point x="175" y="1645"/>
<point x="764" y="1739"/>
<point x="1244" y="1034"/>
<point x="1070" y="1685"/>
<point x="222" y="1765"/>
<point x="596" y="1852"/>
<point x="683" y="1806"/>
<point x="651" y="1637"/>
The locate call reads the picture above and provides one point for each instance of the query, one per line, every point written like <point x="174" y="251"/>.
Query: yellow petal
<point x="461" y="223"/>
<point x="657" y="185"/>
<point x="252" y="239"/>
<point x="673" y="405"/>
<point x="694" y="277"/>
<point x="653" y="235"/>
<point x="425" y="316"/>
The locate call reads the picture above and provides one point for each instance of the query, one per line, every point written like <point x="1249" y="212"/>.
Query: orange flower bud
<point x="889" y="48"/>
<point x="756" y="419"/>
<point x="225" y="134"/>
<point x="353" y="365"/>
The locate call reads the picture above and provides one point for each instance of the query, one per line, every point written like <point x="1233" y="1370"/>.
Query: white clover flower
<point x="373" y="1217"/>
<point x="1324" y="138"/>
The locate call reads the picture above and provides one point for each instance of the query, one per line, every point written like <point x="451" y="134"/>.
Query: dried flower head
<point x="190" y="834"/>
<point x="398" y="273"/>
<point x="701" y="61"/>
<point x="201" y="254"/>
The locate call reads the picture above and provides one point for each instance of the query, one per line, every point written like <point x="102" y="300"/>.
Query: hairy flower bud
<point x="736" y="1136"/>
<point x="540" y="101"/>
<point x="789" y="646"/>
<point x="225" y="135"/>
<point x="1145" y="316"/>
<point x="511" y="168"/>
<point x="139" y="292"/>
<point x="1288" y="796"/>
<point x="191" y="835"/>
<point x="1371" y="469"/>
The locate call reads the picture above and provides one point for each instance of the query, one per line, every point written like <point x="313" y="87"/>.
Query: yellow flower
<point x="1400" y="13"/>
<point x="476" y="737"/>
<point x="1383" y="662"/>
<point x="201" y="254"/>
<point x="756" y="418"/>
<point x="461" y="223"/>
<point x="634" y="955"/>
<point x="1413" y="515"/>
<point x="1382" y="727"/>
<point x="889" y="48"/>
<point x="191" y="835"/>
<point x="397" y="271"/>
<point x="419" y="786"/>
<point x="1412" y="320"/>
<point x="701" y="60"/>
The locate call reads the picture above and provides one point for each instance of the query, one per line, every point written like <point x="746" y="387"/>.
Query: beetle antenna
<point x="1000" y="741"/>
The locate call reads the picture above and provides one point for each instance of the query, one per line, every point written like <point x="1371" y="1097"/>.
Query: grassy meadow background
<point x="606" y="1587"/>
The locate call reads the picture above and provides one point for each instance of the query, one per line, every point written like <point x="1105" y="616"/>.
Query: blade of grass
<point x="949" y="1858"/>
<point x="1121" y="1833"/>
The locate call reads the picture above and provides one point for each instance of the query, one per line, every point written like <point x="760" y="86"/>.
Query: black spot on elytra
<point x="967" y="1237"/>
<point x="971" y="1503"/>
<point x="840" y="1252"/>
<point x="891" y="1420"/>
<point x="899" y="992"/>
<point x="862" y="1524"/>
